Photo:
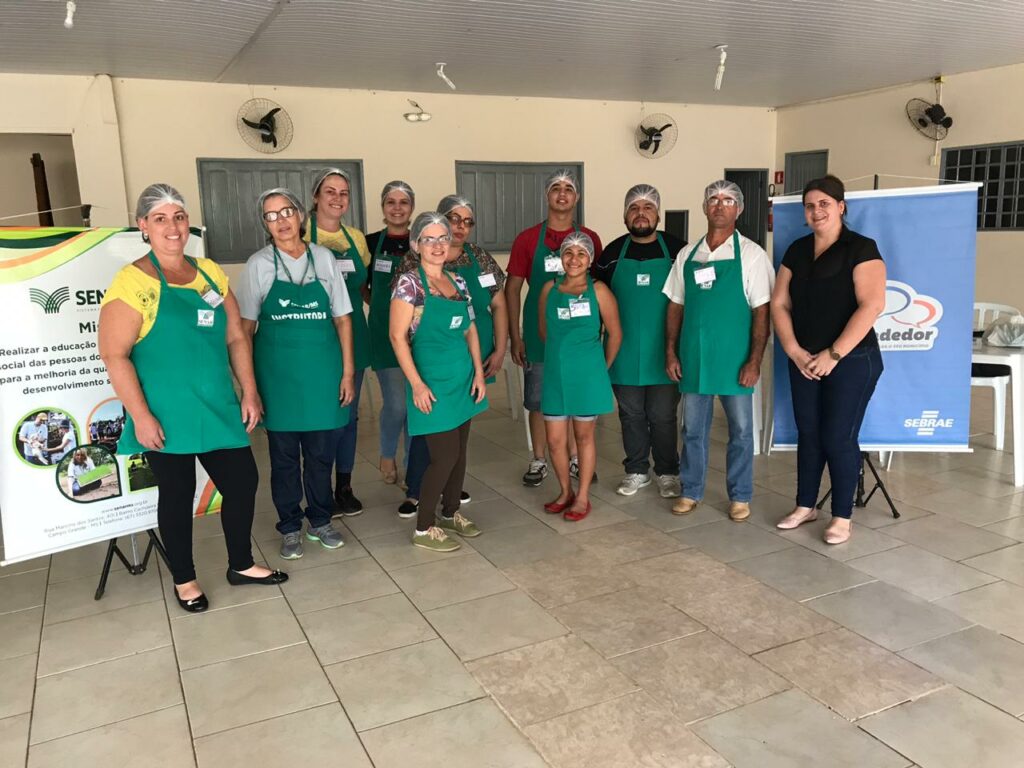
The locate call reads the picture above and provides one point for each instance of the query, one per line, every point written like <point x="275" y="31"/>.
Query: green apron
<point x="185" y="375"/>
<point x="642" y="307"/>
<point x="351" y="266"/>
<point x="472" y="274"/>
<point x="715" y="342"/>
<point x="576" y="379"/>
<point x="547" y="264"/>
<point x="382" y="355"/>
<point x="442" y="357"/>
<point x="297" y="356"/>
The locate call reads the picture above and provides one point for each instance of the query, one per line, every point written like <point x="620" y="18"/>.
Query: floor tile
<point x="395" y="550"/>
<point x="625" y="621"/>
<point x="888" y="616"/>
<point x="629" y="731"/>
<point x="968" y="506"/>
<point x="439" y="740"/>
<point x="446" y="582"/>
<point x="14" y="740"/>
<point x="566" y="579"/>
<point x="319" y="737"/>
<point x="337" y="584"/>
<point x="88" y="560"/>
<point x="947" y="537"/>
<point x="755" y="618"/>
<point x="314" y="555"/>
<point x="802" y="574"/>
<point x="699" y="676"/>
<point x="681" y="575"/>
<point x="379" y="520"/>
<point x="17" y="683"/>
<point x="493" y="624"/>
<point x="922" y="573"/>
<point x="406" y="682"/>
<point x="999" y="606"/>
<point x="254" y="688"/>
<point x="980" y="481"/>
<point x="982" y="662"/>
<point x="950" y="729"/>
<point x="103" y="637"/>
<point x="728" y="541"/>
<point x="159" y="739"/>
<point x="548" y="679"/>
<point x="625" y="542"/>
<point x="790" y="730"/>
<point x="22" y="590"/>
<point x="863" y="541"/>
<point x="523" y="544"/>
<point x="349" y="631"/>
<point x="1012" y="528"/>
<point x="24" y="566"/>
<point x="1007" y="563"/>
<point x="849" y="674"/>
<point x="105" y="693"/>
<point x="207" y="638"/>
<point x="20" y="631"/>
<point x="74" y="598"/>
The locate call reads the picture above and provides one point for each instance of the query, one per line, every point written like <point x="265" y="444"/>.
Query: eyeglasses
<point x="430" y="242"/>
<point x="725" y="202"/>
<point x="455" y="220"/>
<point x="286" y="213"/>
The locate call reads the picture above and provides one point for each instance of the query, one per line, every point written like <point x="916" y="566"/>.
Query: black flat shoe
<point x="195" y="605"/>
<point x="346" y="503"/>
<point x="237" y="579"/>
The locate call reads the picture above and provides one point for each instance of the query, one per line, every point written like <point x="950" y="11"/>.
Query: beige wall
<point x="869" y="133"/>
<point x="18" y="191"/>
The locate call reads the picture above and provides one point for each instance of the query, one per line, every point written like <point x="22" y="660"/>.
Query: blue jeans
<point x="345" y="454"/>
<point x="828" y="416"/>
<point x="392" y="412"/>
<point x="290" y="476"/>
<point x="739" y="456"/>
<point x="419" y="460"/>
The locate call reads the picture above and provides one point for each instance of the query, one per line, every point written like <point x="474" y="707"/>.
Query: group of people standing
<point x="640" y="323"/>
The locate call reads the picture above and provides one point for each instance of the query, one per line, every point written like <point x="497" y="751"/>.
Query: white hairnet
<point x="450" y="202"/>
<point x="642" y="192"/>
<point x="156" y="195"/>
<point x="723" y="187"/>
<point x="292" y="199"/>
<point x="398" y="186"/>
<point x="322" y="176"/>
<point x="581" y="239"/>
<point x="424" y="220"/>
<point x="564" y="175"/>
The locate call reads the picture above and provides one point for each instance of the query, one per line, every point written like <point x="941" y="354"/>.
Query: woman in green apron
<point x="171" y="336"/>
<point x="576" y="383"/>
<point x="437" y="345"/>
<point x="331" y="196"/>
<point x="388" y="246"/>
<point x="302" y="354"/>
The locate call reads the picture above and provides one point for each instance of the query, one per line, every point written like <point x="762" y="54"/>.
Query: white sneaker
<point x="669" y="486"/>
<point x="632" y="483"/>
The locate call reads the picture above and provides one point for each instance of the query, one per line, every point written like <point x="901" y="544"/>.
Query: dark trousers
<point x="419" y="460"/>
<point x="444" y="475"/>
<point x="233" y="471"/>
<point x="302" y="461"/>
<point x="648" y="417"/>
<point x="828" y="416"/>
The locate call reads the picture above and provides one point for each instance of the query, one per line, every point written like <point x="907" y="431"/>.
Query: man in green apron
<point x="725" y="283"/>
<point x="534" y="259"/>
<point x="635" y="267"/>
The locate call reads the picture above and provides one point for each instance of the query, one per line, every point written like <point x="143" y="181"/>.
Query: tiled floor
<point x="635" y="638"/>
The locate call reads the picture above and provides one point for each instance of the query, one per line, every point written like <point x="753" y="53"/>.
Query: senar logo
<point x="50" y="302"/>
<point x="910" y="320"/>
<point x="928" y="423"/>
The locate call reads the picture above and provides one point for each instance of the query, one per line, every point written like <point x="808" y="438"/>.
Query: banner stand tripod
<point x="860" y="500"/>
<point x="135" y="569"/>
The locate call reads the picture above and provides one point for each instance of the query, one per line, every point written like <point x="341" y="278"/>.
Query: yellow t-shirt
<point x="142" y="292"/>
<point x="337" y="241"/>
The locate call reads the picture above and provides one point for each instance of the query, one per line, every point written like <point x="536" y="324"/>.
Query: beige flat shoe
<point x="797" y="518"/>
<point x="684" y="506"/>
<point x="837" y="532"/>
<point x="390" y="475"/>
<point x="739" y="511"/>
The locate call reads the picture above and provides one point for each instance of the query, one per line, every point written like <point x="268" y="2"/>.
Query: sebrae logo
<point x="910" y="320"/>
<point x="928" y="422"/>
<point x="50" y="302"/>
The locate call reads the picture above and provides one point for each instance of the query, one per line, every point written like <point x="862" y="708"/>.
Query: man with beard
<point x="725" y="283"/>
<point x="635" y="267"/>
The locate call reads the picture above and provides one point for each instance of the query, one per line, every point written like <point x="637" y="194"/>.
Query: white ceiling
<point x="780" y="51"/>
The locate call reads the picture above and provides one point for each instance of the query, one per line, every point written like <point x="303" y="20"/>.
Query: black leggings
<point x="444" y="475"/>
<point x="233" y="471"/>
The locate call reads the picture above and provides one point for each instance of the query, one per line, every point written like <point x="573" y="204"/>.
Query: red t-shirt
<point x="520" y="260"/>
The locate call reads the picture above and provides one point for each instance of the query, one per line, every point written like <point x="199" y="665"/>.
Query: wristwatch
<point x="834" y="355"/>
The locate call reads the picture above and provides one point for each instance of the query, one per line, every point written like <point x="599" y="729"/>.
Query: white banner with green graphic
<point x="61" y="484"/>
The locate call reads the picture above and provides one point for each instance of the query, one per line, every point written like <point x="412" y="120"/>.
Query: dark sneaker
<point x="536" y="473"/>
<point x="328" y="536"/>
<point x="408" y="508"/>
<point x="291" y="546"/>
<point x="574" y="469"/>
<point x="346" y="503"/>
<point x="465" y="498"/>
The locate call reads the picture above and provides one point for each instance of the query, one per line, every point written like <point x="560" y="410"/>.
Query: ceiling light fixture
<point x="69" y="20"/>
<point x="720" y="72"/>
<point x="419" y="116"/>
<point x="443" y="76"/>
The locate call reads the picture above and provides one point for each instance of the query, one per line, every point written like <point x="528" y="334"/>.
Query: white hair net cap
<point x="292" y="199"/>
<point x="322" y="176"/>
<point x="579" y="239"/>
<point x="642" y="192"/>
<point x="450" y="202"/>
<point x="156" y="195"/>
<point x="424" y="220"/>
<point x="398" y="186"/>
<point x="561" y="175"/>
<point x="723" y="187"/>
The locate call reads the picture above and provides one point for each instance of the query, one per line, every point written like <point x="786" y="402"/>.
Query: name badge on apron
<point x="553" y="264"/>
<point x="213" y="298"/>
<point x="486" y="281"/>
<point x="381" y="265"/>
<point x="704" y="277"/>
<point x="205" y="319"/>
<point x="347" y="265"/>
<point x="472" y="312"/>
<point x="579" y="307"/>
<point x="643" y="280"/>
<point x="563" y="313"/>
<point x="456" y="322"/>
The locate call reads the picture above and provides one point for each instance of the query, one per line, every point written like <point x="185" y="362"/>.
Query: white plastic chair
<point x="984" y="314"/>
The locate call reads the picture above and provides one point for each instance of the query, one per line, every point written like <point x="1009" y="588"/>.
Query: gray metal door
<point x="801" y="167"/>
<point x="229" y="189"/>
<point x="753" y="222"/>
<point x="508" y="198"/>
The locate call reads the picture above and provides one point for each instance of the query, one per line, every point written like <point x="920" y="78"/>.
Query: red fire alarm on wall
<point x="779" y="177"/>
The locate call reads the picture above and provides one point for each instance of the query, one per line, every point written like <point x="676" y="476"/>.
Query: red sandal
<point x="574" y="517"/>
<point x="554" y="508"/>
